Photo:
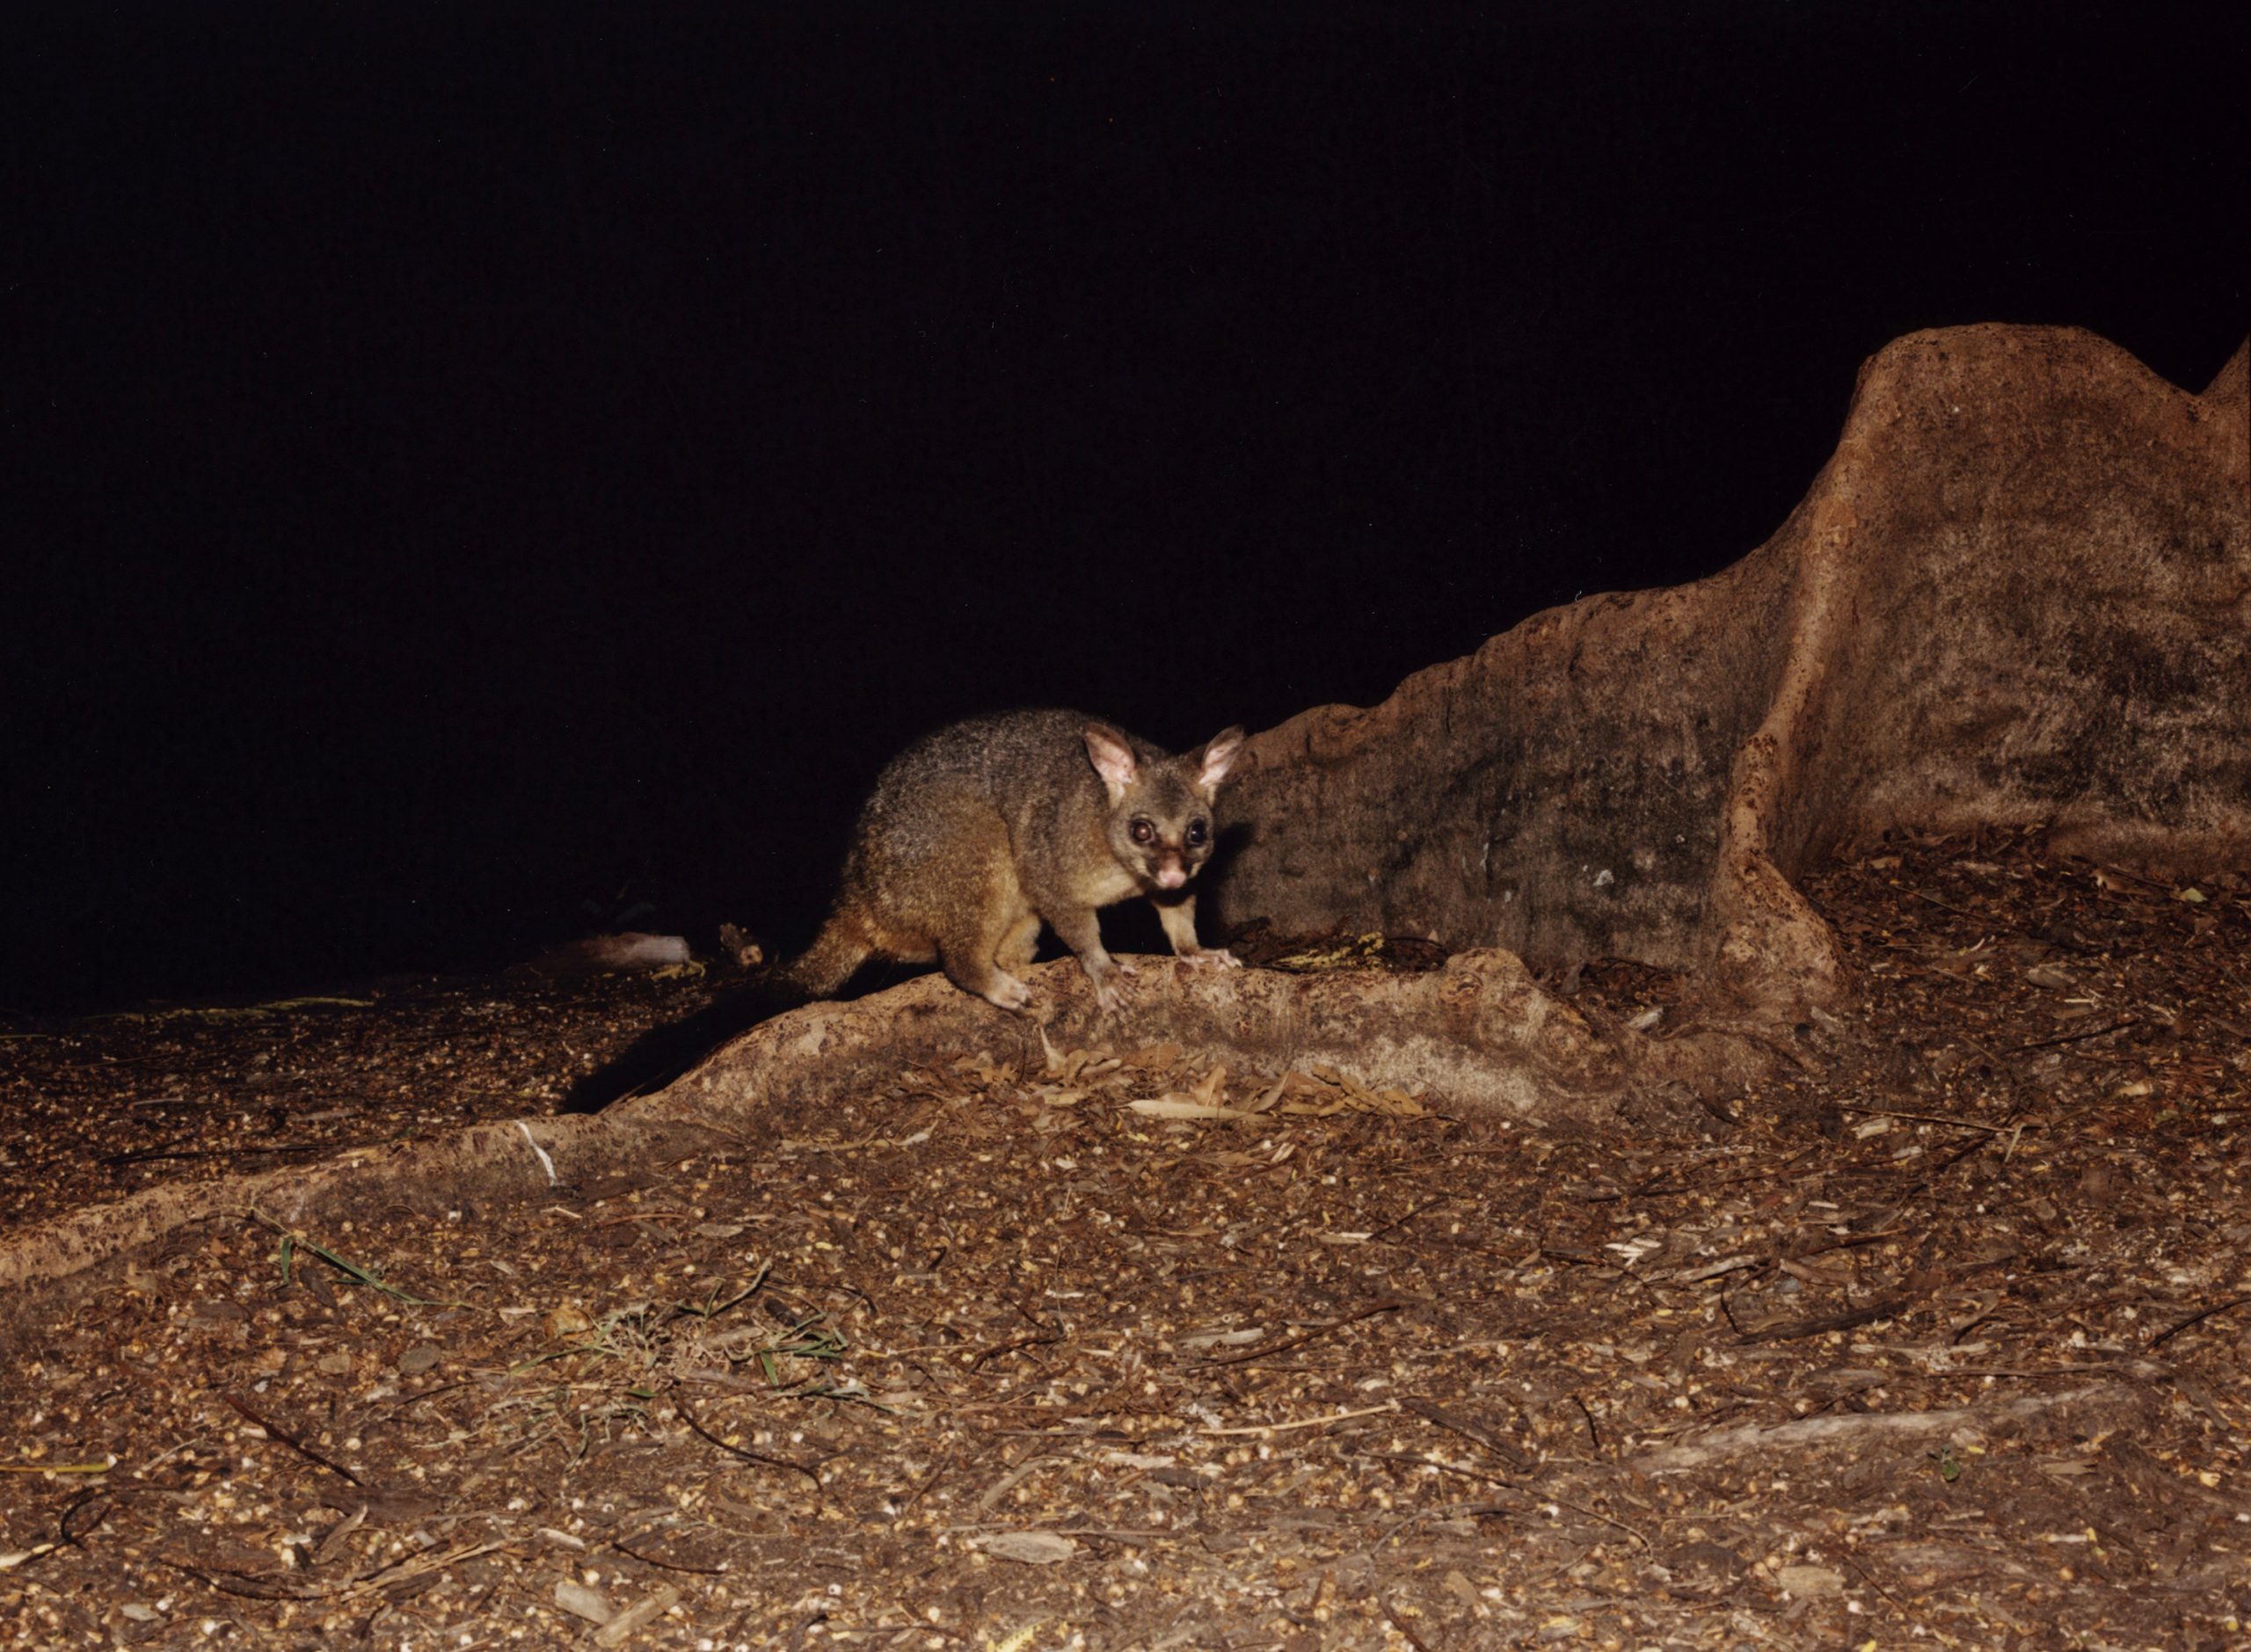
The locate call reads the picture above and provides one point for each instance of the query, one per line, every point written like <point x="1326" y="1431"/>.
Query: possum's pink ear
<point x="1219" y="755"/>
<point x="1111" y="757"/>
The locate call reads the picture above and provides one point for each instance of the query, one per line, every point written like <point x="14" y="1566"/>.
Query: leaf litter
<point x="1945" y="1340"/>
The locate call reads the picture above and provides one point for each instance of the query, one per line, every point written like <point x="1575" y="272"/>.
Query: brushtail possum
<point x="977" y="834"/>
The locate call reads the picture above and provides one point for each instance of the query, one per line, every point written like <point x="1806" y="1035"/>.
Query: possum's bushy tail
<point x="839" y="949"/>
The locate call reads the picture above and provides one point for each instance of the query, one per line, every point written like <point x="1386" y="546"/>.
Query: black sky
<point x="466" y="461"/>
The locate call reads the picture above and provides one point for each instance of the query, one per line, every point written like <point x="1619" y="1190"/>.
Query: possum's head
<point x="1160" y="824"/>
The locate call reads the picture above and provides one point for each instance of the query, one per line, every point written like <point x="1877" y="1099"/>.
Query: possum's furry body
<point x="978" y="833"/>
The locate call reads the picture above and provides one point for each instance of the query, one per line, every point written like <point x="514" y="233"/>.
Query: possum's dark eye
<point x="1144" y="833"/>
<point x="1199" y="832"/>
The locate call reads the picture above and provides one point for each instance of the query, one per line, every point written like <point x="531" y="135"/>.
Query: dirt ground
<point x="1943" y="1340"/>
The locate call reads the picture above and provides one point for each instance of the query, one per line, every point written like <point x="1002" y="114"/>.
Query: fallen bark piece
<point x="1824" y="1432"/>
<point x="636" y="1616"/>
<point x="1809" y="1581"/>
<point x="582" y="1602"/>
<point x="1182" y="1106"/>
<point x="1031" y="1549"/>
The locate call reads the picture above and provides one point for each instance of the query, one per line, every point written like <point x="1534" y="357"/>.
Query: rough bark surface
<point x="2021" y="590"/>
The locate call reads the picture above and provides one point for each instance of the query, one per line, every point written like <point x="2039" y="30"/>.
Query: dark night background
<point x="466" y="462"/>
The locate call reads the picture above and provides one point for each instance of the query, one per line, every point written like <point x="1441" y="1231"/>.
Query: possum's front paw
<point x="1008" y="992"/>
<point x="1212" y="958"/>
<point x="1103" y="977"/>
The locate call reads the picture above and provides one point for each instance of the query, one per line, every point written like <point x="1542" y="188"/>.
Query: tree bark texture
<point x="2020" y="590"/>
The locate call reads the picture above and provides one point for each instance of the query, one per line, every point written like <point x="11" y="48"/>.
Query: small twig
<point x="249" y="1587"/>
<point x="628" y="1218"/>
<point x="1027" y="1316"/>
<point x="1998" y="1064"/>
<point x="929" y="1480"/>
<point x="1659" y="1188"/>
<point x="1118" y="1533"/>
<point x="1313" y="1335"/>
<point x="68" y="1533"/>
<point x="70" y="1510"/>
<point x="1018" y="1346"/>
<point x="1765" y="1040"/>
<point x="1885" y="1307"/>
<point x="1436" y="1199"/>
<point x="1943" y="907"/>
<point x="2197" y="1319"/>
<point x="1870" y="1579"/>
<point x="294" y="1443"/>
<point x="1975" y="1143"/>
<point x="1540" y="1499"/>
<point x="1408" y="1460"/>
<point x="1925" y="1118"/>
<point x="1632" y="1532"/>
<point x="1305" y="1422"/>
<point x="1440" y="1417"/>
<point x="681" y="1411"/>
<point x="1391" y="1616"/>
<point x="668" y="1566"/>
<point x="150" y="1155"/>
<point x="2069" y="1037"/>
<point x="1888" y="1305"/>
<point x="419" y="1564"/>
<point x="59" y="1468"/>
<point x="1017" y="1475"/>
<point x="1593" y="1434"/>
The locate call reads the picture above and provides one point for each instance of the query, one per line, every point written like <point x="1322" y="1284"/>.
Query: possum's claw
<point x="1211" y="958"/>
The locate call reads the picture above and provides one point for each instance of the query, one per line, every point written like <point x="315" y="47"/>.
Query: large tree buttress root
<point x="2020" y="590"/>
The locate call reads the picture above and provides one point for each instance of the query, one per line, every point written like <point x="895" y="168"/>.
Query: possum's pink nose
<point x="1171" y="877"/>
